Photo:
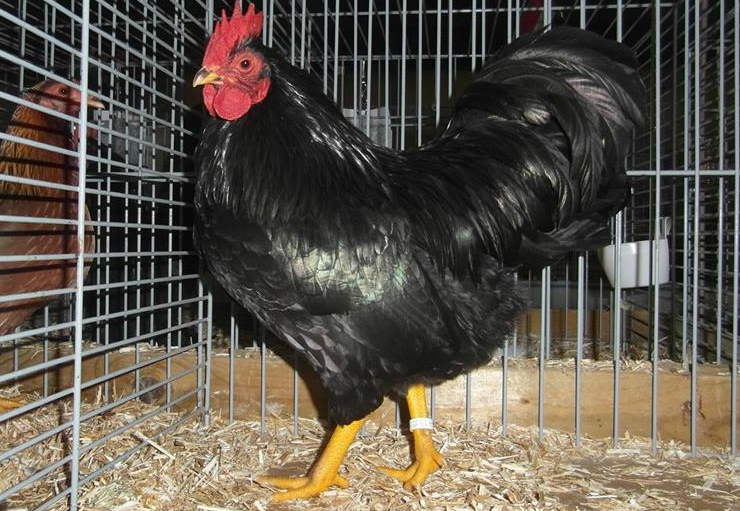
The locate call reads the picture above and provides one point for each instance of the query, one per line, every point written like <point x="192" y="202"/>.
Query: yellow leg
<point x="326" y="471"/>
<point x="428" y="459"/>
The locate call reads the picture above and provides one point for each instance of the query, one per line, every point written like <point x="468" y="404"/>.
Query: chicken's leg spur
<point x="428" y="459"/>
<point x="326" y="471"/>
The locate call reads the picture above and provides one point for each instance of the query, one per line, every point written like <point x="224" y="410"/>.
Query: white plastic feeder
<point x="634" y="263"/>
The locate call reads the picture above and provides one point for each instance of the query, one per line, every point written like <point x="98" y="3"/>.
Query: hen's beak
<point x="93" y="102"/>
<point x="205" y="76"/>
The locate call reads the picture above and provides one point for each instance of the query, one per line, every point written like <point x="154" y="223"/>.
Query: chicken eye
<point x="63" y="91"/>
<point x="245" y="64"/>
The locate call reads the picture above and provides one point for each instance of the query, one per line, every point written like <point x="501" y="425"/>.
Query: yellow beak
<point x="93" y="102"/>
<point x="205" y="76"/>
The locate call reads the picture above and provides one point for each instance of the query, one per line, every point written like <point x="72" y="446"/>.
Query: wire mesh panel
<point x="102" y="304"/>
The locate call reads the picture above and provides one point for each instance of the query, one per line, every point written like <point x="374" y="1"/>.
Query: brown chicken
<point x="25" y="200"/>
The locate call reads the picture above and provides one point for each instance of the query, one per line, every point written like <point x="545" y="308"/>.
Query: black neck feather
<point x="291" y="155"/>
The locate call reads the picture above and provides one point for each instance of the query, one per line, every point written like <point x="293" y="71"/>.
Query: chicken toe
<point x="303" y="487"/>
<point x="428" y="460"/>
<point x="9" y="404"/>
<point x="326" y="471"/>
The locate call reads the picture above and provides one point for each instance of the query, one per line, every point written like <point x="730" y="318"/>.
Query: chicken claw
<point x="303" y="487"/>
<point x="428" y="460"/>
<point x="9" y="404"/>
<point x="326" y="471"/>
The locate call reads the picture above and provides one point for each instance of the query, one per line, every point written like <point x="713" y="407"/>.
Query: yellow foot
<point x="428" y="460"/>
<point x="302" y="487"/>
<point x="326" y="471"/>
<point x="9" y="404"/>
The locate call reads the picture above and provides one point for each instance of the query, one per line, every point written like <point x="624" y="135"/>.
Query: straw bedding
<point x="213" y="468"/>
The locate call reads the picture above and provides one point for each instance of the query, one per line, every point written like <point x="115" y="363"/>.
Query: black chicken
<point x="385" y="269"/>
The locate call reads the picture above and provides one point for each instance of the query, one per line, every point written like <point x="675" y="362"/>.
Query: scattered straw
<point x="214" y="469"/>
<point x="158" y="447"/>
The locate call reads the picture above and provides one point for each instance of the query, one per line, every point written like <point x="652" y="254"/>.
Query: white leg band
<point x="421" y="423"/>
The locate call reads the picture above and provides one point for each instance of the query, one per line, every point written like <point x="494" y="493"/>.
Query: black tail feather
<point x="531" y="164"/>
<point x="583" y="94"/>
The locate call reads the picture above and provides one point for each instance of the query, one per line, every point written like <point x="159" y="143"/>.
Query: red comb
<point x="228" y="32"/>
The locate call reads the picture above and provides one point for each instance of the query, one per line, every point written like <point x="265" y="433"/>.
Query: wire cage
<point x="395" y="68"/>
<point x="143" y="286"/>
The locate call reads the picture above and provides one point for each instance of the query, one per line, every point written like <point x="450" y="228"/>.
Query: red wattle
<point x="231" y="103"/>
<point x="209" y="94"/>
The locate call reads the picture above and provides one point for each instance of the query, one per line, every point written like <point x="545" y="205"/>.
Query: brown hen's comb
<point x="228" y="32"/>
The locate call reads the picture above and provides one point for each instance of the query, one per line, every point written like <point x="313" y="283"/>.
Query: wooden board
<point x="559" y="411"/>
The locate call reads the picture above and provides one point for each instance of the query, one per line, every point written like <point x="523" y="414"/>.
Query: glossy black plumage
<point x="387" y="268"/>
